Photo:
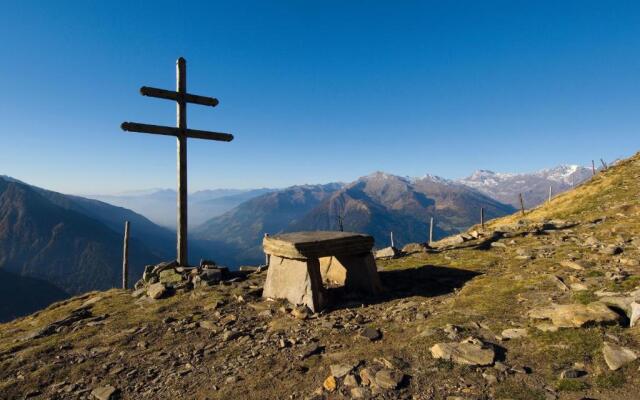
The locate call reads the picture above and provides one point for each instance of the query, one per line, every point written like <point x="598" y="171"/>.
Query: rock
<point x="350" y="381"/>
<point x="469" y="352"/>
<point x="617" y="356"/>
<point x="367" y="376"/>
<point x="311" y="350"/>
<point x="164" y="266"/>
<point x="387" y="252"/>
<point x="572" y="373"/>
<point x="139" y="292"/>
<point x="514" y="333"/>
<point x="576" y="265"/>
<point x="490" y="378"/>
<point x="248" y="268"/>
<point x="208" y="325"/>
<point x="230" y="335"/>
<point x="358" y="393"/>
<point x="412" y="248"/>
<point x="578" y="287"/>
<point x="576" y="315"/>
<point x="170" y="276"/>
<point x="329" y="384"/>
<point x="635" y="314"/>
<point x="498" y="245"/>
<point x="156" y="290"/>
<point x="340" y="370"/>
<point x="371" y="334"/>
<point x="106" y="392"/>
<point x="211" y="275"/>
<point x="388" y="378"/>
<point x="611" y="250"/>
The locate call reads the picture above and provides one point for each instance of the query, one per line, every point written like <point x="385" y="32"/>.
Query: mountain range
<point x="64" y="245"/>
<point x="159" y="205"/>
<point x="506" y="187"/>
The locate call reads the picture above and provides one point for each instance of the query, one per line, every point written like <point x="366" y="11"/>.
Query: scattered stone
<point x="156" y="290"/>
<point x="412" y="248"/>
<point x="617" y="356"/>
<point x="386" y="253"/>
<point x="635" y="314"/>
<point x="468" y="352"/>
<point x="311" y="350"/>
<point x="208" y="325"/>
<point x="106" y="392"/>
<point x="329" y="384"/>
<point x="350" y="381"/>
<point x="576" y="265"/>
<point x="169" y="277"/>
<point x="571" y="373"/>
<point x="372" y="334"/>
<point x="388" y="378"/>
<point x="576" y="315"/>
<point x="490" y="378"/>
<point x="340" y="370"/>
<point x="358" y="393"/>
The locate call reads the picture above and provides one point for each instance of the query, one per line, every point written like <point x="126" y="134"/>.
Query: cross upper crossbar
<point x="171" y="95"/>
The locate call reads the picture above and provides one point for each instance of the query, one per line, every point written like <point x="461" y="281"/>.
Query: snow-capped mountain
<point x="534" y="186"/>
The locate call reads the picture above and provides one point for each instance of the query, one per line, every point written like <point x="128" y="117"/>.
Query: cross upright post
<point x="181" y="132"/>
<point x="181" y="116"/>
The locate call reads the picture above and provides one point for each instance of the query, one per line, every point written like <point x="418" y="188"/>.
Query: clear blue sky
<point x="315" y="91"/>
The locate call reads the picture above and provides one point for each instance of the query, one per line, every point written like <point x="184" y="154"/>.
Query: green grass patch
<point x="571" y="385"/>
<point x="594" y="273"/>
<point x="610" y="380"/>
<point x="584" y="297"/>
<point x="517" y="391"/>
<point x="567" y="346"/>
<point x="626" y="285"/>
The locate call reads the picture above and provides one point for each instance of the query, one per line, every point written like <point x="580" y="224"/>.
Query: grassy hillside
<point x="580" y="252"/>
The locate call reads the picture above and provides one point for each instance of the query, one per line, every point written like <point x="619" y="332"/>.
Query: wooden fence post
<point x="266" y="255"/>
<point x="593" y="168"/>
<point x="604" y="164"/>
<point x="549" y="193"/>
<point x="392" y="244"/>
<point x="482" y="217"/>
<point x="431" y="231"/>
<point x="521" y="204"/>
<point x="125" y="257"/>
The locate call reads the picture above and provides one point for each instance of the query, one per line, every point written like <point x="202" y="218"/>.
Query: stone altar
<point x="302" y="263"/>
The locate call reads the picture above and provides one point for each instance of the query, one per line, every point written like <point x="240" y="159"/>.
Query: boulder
<point x="617" y="356"/>
<point x="386" y="253"/>
<point x="469" y="352"/>
<point x="576" y="265"/>
<point x="576" y="315"/>
<point x="388" y="378"/>
<point x="170" y="276"/>
<point x="635" y="314"/>
<point x="414" y="248"/>
<point x="156" y="290"/>
<point x="106" y="392"/>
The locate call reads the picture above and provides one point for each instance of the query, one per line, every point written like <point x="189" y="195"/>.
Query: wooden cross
<point x="181" y="97"/>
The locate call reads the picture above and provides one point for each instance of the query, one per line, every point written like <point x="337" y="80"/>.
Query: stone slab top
<point x="316" y="244"/>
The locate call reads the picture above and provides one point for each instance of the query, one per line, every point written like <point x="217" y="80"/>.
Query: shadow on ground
<point x="426" y="281"/>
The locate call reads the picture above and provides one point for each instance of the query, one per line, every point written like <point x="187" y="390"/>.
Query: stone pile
<point x="167" y="278"/>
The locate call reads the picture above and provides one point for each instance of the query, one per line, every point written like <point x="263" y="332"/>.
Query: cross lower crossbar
<point x="170" y="131"/>
<point x="171" y="95"/>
